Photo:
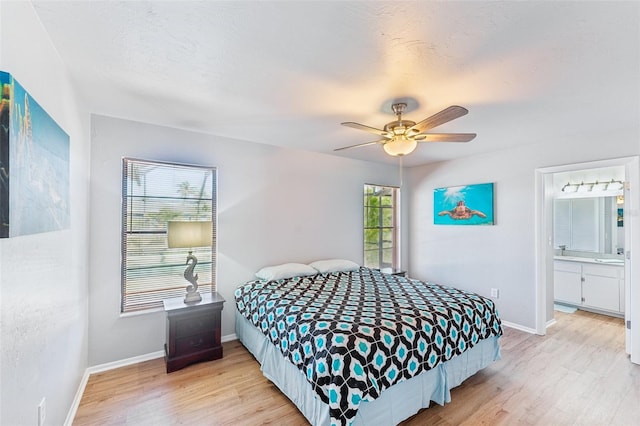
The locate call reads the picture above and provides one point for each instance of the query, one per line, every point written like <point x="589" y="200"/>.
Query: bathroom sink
<point x="614" y="261"/>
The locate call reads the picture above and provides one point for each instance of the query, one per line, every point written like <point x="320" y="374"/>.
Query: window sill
<point x="138" y="313"/>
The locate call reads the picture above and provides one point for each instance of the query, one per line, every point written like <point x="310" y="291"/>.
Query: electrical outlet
<point x="42" y="411"/>
<point x="495" y="293"/>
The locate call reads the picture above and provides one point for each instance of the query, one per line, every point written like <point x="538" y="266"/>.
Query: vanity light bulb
<point x="614" y="185"/>
<point x="585" y="187"/>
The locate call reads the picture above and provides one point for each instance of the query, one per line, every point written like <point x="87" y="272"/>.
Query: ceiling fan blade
<point x="439" y="118"/>
<point x="361" y="144"/>
<point x="445" y="137"/>
<point x="367" y="128"/>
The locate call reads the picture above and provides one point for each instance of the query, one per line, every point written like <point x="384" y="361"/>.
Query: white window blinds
<point x="154" y="193"/>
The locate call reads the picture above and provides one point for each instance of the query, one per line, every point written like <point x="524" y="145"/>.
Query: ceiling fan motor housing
<point x="400" y="127"/>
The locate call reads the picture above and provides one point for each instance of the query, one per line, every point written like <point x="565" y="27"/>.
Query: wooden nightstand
<point x="193" y="331"/>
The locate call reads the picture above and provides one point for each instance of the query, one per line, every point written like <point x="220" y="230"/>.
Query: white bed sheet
<point x="394" y="404"/>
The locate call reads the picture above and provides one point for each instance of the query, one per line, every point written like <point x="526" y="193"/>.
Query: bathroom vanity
<point x="588" y="234"/>
<point x="595" y="284"/>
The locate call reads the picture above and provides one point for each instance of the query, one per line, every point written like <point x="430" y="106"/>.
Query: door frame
<point x="544" y="243"/>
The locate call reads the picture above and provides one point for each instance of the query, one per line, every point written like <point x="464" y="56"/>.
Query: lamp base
<point x="192" y="297"/>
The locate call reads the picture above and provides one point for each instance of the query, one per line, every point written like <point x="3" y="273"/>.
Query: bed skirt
<point x="394" y="405"/>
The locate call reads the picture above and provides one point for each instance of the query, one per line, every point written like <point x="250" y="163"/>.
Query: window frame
<point x="381" y="227"/>
<point x="171" y="263"/>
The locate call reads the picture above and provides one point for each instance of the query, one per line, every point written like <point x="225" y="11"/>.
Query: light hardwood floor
<point x="578" y="374"/>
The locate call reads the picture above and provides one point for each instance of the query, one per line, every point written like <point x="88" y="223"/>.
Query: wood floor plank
<point x="578" y="374"/>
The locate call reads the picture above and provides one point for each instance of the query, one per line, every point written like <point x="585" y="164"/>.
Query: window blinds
<point x="154" y="193"/>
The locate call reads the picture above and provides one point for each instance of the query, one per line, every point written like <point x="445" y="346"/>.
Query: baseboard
<point x="124" y="362"/>
<point x="228" y="338"/>
<point x="117" y="364"/>
<point x="519" y="327"/>
<point x="71" y="415"/>
<point x="551" y="322"/>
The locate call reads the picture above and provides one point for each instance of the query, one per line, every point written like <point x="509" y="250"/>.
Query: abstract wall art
<point x="34" y="165"/>
<point x="463" y="205"/>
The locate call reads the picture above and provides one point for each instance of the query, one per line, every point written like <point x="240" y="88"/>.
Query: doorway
<point x="545" y="249"/>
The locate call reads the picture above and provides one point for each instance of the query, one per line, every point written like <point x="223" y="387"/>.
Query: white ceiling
<point x="288" y="72"/>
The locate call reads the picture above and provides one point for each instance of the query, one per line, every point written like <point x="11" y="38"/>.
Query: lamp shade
<point x="181" y="234"/>
<point x="400" y="145"/>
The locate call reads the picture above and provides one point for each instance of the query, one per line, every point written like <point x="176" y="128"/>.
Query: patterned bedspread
<point x="354" y="334"/>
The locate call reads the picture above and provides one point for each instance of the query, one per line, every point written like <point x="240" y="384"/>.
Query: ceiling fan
<point x="400" y="137"/>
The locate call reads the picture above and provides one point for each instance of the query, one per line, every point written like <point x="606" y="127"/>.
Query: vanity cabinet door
<point x="567" y="279"/>
<point x="601" y="287"/>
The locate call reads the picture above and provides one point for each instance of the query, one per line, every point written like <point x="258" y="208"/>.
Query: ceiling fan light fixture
<point x="400" y="145"/>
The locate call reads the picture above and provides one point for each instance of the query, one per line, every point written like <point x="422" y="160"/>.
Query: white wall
<point x="479" y="258"/>
<point x="275" y="205"/>
<point x="43" y="284"/>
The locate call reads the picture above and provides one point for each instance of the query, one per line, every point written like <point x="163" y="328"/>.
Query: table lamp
<point x="190" y="234"/>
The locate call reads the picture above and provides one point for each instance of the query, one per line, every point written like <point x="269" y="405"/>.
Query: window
<point x="381" y="227"/>
<point x="152" y="194"/>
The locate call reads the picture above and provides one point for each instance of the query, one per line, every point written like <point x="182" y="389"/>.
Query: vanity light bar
<point x="612" y="185"/>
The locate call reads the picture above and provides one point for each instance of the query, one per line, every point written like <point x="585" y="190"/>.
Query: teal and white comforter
<point x="354" y="334"/>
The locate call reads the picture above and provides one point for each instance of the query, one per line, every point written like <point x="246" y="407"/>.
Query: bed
<point x="354" y="345"/>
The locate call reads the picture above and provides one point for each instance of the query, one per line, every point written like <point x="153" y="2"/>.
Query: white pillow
<point x="286" y="270"/>
<point x="334" y="265"/>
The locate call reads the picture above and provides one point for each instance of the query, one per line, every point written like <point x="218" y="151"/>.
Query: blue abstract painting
<point x="463" y="205"/>
<point x="34" y="165"/>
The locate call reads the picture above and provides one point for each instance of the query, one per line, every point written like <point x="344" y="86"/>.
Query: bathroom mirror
<point x="592" y="224"/>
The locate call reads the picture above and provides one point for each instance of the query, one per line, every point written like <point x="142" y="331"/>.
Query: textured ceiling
<point x="288" y="72"/>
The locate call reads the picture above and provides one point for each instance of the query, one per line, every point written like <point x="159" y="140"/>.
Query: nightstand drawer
<point x="191" y="344"/>
<point x="189" y="326"/>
